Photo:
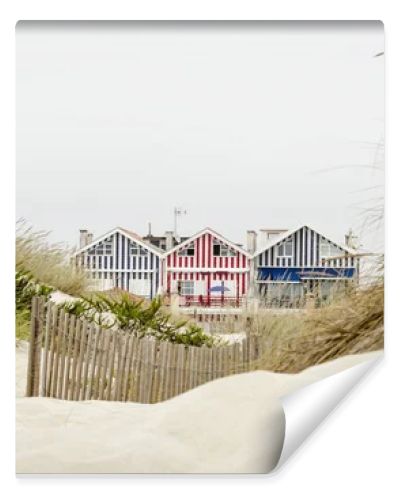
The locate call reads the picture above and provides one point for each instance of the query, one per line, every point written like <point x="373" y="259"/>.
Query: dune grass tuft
<point x="40" y="269"/>
<point x="352" y="324"/>
<point x="48" y="264"/>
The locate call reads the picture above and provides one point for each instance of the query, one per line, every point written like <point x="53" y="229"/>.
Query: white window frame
<point x="333" y="251"/>
<point x="136" y="249"/>
<point x="104" y="247"/>
<point x="284" y="253"/>
<point x="186" y="287"/>
<point x="225" y="250"/>
<point x="183" y="252"/>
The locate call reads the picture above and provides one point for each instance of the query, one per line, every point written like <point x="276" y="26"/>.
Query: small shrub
<point x="22" y="324"/>
<point x="139" y="318"/>
<point x="26" y="288"/>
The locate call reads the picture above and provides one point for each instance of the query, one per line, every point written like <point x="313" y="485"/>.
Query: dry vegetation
<point x="47" y="263"/>
<point x="40" y="267"/>
<point x="352" y="324"/>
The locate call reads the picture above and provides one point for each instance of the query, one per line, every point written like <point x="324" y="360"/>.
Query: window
<point x="285" y="249"/>
<point x="102" y="248"/>
<point x="326" y="249"/>
<point x="135" y="249"/>
<point x="222" y="250"/>
<point x="187" y="251"/>
<point x="186" y="287"/>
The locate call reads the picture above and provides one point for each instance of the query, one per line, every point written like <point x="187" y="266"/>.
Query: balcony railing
<point x="208" y="301"/>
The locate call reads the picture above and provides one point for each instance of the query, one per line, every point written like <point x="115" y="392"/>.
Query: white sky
<point x="117" y="123"/>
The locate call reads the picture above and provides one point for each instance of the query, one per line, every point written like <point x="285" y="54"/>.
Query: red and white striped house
<point x="207" y="269"/>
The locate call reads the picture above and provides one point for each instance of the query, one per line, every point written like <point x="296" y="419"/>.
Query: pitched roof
<point x="136" y="237"/>
<point x="288" y="233"/>
<point x="129" y="234"/>
<point x="213" y="233"/>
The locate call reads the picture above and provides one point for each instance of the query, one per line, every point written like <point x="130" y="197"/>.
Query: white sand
<point x="235" y="424"/>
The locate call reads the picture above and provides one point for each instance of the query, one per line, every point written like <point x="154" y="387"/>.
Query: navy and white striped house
<point x="121" y="259"/>
<point x="300" y="263"/>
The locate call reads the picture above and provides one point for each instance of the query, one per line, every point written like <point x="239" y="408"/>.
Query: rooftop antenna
<point x="178" y="211"/>
<point x="351" y="240"/>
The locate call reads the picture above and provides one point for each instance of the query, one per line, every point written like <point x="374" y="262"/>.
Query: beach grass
<point x="48" y="264"/>
<point x="351" y="324"/>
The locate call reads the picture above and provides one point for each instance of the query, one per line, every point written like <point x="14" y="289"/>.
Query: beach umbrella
<point x="219" y="288"/>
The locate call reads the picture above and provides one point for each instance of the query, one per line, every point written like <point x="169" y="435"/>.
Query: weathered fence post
<point x="248" y="326"/>
<point x="46" y="333"/>
<point x="35" y="347"/>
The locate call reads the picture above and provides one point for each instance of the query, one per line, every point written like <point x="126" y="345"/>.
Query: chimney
<point x="89" y="238"/>
<point x="169" y="240"/>
<point x="149" y="230"/>
<point x="83" y="237"/>
<point x="251" y="241"/>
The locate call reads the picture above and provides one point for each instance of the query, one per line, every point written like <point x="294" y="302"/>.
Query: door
<point x="140" y="287"/>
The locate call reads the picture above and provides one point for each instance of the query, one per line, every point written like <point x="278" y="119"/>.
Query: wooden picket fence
<point x="73" y="359"/>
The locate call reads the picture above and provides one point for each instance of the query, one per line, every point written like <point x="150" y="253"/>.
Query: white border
<point x="355" y="455"/>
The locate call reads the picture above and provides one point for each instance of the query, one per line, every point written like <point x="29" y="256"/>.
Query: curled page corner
<point x="306" y="408"/>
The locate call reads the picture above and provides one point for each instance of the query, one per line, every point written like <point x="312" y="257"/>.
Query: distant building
<point x="207" y="269"/>
<point x="121" y="259"/>
<point x="165" y="242"/>
<point x="301" y="263"/>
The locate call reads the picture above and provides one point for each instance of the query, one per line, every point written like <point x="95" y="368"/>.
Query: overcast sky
<point x="246" y="125"/>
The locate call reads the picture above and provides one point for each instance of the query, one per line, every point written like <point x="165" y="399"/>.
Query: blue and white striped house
<point x="293" y="265"/>
<point x="121" y="259"/>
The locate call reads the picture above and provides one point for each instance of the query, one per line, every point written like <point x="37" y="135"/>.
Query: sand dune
<point x="235" y="424"/>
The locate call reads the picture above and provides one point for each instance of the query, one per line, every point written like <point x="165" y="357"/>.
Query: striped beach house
<point x="207" y="269"/>
<point x="121" y="259"/>
<point x="302" y="263"/>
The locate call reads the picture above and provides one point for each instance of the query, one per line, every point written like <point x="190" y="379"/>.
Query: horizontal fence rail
<point x="73" y="359"/>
